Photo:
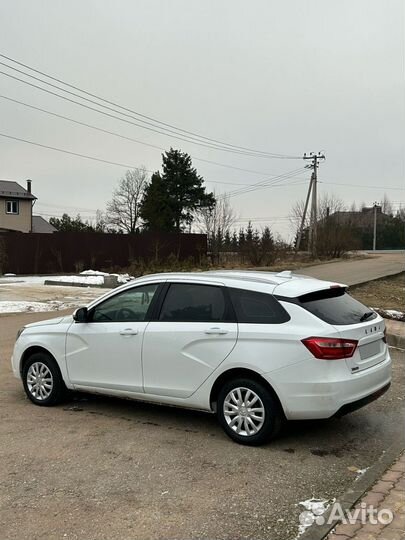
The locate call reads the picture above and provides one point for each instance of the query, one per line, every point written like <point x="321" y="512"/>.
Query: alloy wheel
<point x="39" y="381"/>
<point x="244" y="411"/>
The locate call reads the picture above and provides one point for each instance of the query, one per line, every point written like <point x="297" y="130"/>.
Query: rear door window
<point x="257" y="308"/>
<point x="189" y="302"/>
<point x="336" y="306"/>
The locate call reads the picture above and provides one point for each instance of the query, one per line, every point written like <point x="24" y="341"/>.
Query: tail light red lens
<point x="330" y="348"/>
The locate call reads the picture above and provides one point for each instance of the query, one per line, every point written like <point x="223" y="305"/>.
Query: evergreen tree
<point x="267" y="239"/>
<point x="69" y="224"/>
<point x="234" y="241"/>
<point x="227" y="241"/>
<point x="249" y="234"/>
<point x="242" y="239"/>
<point x="156" y="210"/>
<point x="173" y="196"/>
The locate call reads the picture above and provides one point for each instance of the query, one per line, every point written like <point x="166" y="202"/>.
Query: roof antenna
<point x="286" y="274"/>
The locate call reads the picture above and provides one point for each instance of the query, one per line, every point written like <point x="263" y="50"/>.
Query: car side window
<point x="255" y="307"/>
<point x="189" y="302"/>
<point x="129" y="306"/>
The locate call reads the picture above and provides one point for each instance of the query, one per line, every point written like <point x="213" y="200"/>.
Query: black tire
<point x="271" y="419"/>
<point x="42" y="365"/>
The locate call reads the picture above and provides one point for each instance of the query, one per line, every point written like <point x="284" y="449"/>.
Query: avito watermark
<point x="363" y="514"/>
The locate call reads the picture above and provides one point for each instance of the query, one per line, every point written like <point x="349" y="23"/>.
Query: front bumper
<point x="14" y="367"/>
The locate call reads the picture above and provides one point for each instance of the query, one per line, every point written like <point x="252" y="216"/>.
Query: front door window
<point x="128" y="306"/>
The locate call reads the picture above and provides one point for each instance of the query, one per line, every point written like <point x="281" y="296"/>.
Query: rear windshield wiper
<point x="366" y="315"/>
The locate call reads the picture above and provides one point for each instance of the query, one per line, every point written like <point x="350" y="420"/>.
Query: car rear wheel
<point x="248" y="412"/>
<point x="42" y="380"/>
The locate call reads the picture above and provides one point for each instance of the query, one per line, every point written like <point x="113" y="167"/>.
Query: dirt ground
<point x="105" y="469"/>
<point x="386" y="293"/>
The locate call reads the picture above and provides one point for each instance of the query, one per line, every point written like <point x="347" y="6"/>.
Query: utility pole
<point x="375" y="226"/>
<point x="313" y="187"/>
<point x="304" y="215"/>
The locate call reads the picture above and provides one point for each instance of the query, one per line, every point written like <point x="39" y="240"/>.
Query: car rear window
<point x="260" y="308"/>
<point x="335" y="306"/>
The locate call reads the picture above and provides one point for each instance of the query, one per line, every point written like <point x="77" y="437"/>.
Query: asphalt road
<point x="360" y="270"/>
<point x="99" y="468"/>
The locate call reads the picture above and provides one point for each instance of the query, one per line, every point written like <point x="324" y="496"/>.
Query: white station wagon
<point x="255" y="348"/>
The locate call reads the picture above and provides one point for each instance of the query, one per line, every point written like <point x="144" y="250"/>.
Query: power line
<point x="265" y="183"/>
<point x="148" y="126"/>
<point x="73" y="153"/>
<point x="269" y="218"/>
<point x="85" y="124"/>
<point x="92" y="158"/>
<point x="360" y="186"/>
<point x="262" y="182"/>
<point x="156" y="121"/>
<point x="79" y="208"/>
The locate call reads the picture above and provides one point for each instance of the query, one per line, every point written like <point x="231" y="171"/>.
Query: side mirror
<point x="81" y="315"/>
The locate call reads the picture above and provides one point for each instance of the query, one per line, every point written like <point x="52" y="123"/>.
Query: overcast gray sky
<point x="285" y="77"/>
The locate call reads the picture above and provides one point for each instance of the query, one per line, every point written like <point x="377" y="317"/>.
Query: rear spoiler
<point x="321" y="294"/>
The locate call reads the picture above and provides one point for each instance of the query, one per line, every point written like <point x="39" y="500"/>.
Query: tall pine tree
<point x="173" y="196"/>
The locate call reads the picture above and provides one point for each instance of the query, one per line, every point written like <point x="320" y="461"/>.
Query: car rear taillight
<point x="330" y="348"/>
<point x="385" y="336"/>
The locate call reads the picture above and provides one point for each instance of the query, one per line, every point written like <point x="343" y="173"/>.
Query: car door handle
<point x="216" y="330"/>
<point x="128" y="332"/>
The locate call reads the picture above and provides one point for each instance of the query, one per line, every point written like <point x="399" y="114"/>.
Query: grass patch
<point x="385" y="293"/>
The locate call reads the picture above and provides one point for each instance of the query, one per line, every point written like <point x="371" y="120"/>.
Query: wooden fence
<point x="37" y="253"/>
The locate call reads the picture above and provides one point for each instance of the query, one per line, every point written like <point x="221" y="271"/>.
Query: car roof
<point x="284" y="283"/>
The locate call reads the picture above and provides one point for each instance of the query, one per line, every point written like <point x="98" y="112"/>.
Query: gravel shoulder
<point x="385" y="293"/>
<point x="105" y="468"/>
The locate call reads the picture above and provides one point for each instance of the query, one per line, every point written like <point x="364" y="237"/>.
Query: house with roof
<point x="16" y="205"/>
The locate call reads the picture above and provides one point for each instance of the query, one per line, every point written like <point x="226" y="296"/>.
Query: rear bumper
<point x="316" y="389"/>
<point x="351" y="407"/>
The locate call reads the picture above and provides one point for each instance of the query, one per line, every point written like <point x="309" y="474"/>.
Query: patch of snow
<point x="314" y="509"/>
<point x="93" y="273"/>
<point x="121" y="278"/>
<point x="395" y="313"/>
<point x="360" y="472"/>
<point x="86" y="280"/>
<point x="390" y="314"/>
<point x="87" y="277"/>
<point x="22" y="280"/>
<point x="21" y="306"/>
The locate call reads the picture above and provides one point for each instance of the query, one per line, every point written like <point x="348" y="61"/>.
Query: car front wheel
<point x="42" y="380"/>
<point x="248" y="412"/>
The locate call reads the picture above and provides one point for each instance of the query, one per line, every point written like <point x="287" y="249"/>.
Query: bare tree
<point x="123" y="211"/>
<point x="401" y="213"/>
<point x="334" y="227"/>
<point x="386" y="206"/>
<point x="329" y="205"/>
<point x="361" y="206"/>
<point x="216" y="222"/>
<point x="297" y="211"/>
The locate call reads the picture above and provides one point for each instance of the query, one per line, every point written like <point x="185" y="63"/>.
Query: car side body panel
<point x="50" y="337"/>
<point x="307" y="387"/>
